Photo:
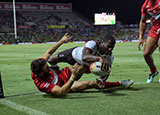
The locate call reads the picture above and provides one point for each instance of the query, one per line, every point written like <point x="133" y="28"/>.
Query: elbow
<point x="84" y="58"/>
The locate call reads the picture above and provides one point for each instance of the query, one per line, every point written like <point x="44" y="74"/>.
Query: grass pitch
<point x="22" y="96"/>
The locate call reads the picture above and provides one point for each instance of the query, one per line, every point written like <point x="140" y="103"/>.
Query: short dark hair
<point x="111" y="38"/>
<point x="37" y="65"/>
<point x="153" y="2"/>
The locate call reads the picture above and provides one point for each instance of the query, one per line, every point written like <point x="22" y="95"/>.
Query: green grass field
<point x="22" y="96"/>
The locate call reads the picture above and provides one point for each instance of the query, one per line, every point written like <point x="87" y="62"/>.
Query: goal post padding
<point x="1" y="88"/>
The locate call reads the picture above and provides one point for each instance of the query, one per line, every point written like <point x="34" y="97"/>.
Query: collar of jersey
<point x="55" y="77"/>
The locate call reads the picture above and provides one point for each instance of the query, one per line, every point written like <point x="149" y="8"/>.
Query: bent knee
<point x="53" y="59"/>
<point x="147" y="53"/>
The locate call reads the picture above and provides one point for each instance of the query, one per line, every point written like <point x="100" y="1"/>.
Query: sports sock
<point x="111" y="84"/>
<point x="154" y="70"/>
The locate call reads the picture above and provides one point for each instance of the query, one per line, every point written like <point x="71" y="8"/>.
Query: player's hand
<point x="76" y="71"/>
<point x="101" y="86"/>
<point x="66" y="38"/>
<point x="140" y="43"/>
<point x="108" y="70"/>
<point x="105" y="65"/>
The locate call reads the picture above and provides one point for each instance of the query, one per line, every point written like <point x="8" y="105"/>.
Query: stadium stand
<point x="48" y="25"/>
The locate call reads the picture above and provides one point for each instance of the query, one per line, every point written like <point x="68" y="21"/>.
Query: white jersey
<point x="77" y="52"/>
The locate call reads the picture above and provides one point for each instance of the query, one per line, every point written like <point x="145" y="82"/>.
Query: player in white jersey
<point x="92" y="51"/>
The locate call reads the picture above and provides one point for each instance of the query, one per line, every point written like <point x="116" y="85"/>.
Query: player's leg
<point x="149" y="48"/>
<point x="83" y="85"/>
<point x="64" y="56"/>
<point x="123" y="83"/>
<point x="159" y="52"/>
<point x="53" y="60"/>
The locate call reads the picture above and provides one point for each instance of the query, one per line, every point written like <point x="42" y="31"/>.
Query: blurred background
<point x="42" y="21"/>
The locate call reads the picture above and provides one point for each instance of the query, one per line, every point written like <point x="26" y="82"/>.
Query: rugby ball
<point x="95" y="68"/>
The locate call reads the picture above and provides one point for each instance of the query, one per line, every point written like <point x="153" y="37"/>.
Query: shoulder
<point x="144" y="4"/>
<point x="144" y="8"/>
<point x="91" y="43"/>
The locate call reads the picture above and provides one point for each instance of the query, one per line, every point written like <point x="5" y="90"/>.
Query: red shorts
<point x="155" y="31"/>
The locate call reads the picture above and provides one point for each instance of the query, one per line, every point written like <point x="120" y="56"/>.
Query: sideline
<point x="21" y="108"/>
<point x="30" y="111"/>
<point x="26" y="94"/>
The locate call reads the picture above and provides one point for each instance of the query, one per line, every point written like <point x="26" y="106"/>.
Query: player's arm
<point x="66" y="38"/>
<point x="62" y="91"/>
<point x="88" y="57"/>
<point x="142" y="29"/>
<point x="142" y="26"/>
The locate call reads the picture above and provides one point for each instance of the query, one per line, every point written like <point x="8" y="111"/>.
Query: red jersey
<point x="152" y="10"/>
<point x="53" y="78"/>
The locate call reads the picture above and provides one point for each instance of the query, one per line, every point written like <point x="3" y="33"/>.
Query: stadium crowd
<point x="47" y="26"/>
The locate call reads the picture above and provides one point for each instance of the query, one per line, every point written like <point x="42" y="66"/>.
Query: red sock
<point x="154" y="70"/>
<point x="111" y="84"/>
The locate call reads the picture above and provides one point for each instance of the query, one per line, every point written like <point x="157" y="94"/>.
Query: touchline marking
<point x="22" y="108"/>
<point x="27" y="94"/>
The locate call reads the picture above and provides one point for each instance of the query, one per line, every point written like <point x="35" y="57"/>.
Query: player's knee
<point x="54" y="59"/>
<point x="146" y="54"/>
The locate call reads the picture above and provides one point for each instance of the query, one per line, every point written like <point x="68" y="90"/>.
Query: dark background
<point x="127" y="11"/>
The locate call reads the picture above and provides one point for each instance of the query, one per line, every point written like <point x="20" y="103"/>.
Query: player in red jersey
<point x="150" y="8"/>
<point x="60" y="82"/>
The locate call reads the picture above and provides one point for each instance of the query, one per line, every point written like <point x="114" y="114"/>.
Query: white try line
<point x="31" y="111"/>
<point x="26" y="94"/>
<point x="21" y="108"/>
